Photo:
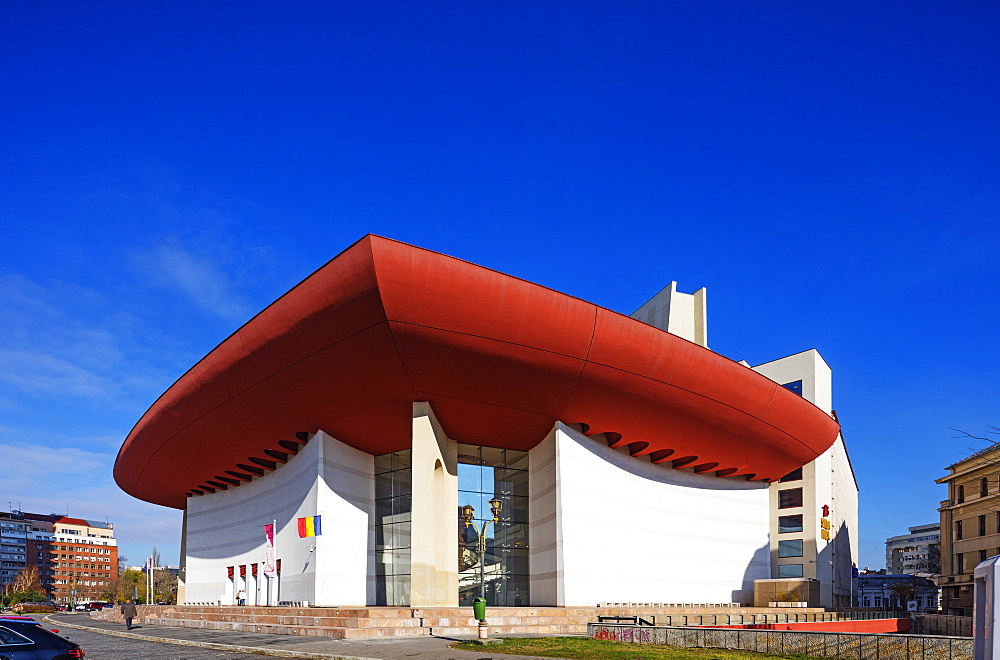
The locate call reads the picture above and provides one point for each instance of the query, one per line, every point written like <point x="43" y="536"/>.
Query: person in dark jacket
<point x="129" y="612"/>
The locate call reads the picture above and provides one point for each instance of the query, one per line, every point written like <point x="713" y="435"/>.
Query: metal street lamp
<point x="496" y="506"/>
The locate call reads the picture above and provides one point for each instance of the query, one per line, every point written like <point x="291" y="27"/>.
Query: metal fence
<point x="852" y="646"/>
<point x="790" y="616"/>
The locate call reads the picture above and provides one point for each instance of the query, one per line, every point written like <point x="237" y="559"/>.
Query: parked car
<point x="27" y="640"/>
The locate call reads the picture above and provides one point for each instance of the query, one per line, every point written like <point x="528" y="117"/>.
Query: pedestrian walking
<point x="241" y="597"/>
<point x="129" y="612"/>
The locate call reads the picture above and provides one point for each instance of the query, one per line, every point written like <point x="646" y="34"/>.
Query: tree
<point x="164" y="586"/>
<point x="26" y="588"/>
<point x="934" y="559"/>
<point x="904" y="591"/>
<point x="128" y="585"/>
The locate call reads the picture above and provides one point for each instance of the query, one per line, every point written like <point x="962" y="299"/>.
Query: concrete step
<point x="375" y="612"/>
<point x="333" y="622"/>
<point x="463" y="622"/>
<point x="277" y="629"/>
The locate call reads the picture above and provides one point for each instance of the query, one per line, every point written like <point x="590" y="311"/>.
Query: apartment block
<point x="13" y="547"/>
<point x="916" y="553"/>
<point x="77" y="559"/>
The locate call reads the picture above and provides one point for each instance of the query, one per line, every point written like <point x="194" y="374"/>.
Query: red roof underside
<point x="499" y="359"/>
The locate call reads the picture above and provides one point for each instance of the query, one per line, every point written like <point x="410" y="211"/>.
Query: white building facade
<point x="582" y="522"/>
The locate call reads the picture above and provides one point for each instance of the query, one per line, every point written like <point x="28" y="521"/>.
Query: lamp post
<point x="496" y="506"/>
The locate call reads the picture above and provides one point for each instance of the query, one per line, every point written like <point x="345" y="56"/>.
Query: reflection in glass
<point x="485" y="473"/>
<point x="393" y="504"/>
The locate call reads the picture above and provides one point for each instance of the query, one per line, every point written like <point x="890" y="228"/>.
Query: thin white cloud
<point x="198" y="276"/>
<point x="60" y="339"/>
<point x="39" y="373"/>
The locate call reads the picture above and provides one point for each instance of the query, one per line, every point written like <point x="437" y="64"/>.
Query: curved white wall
<point x="606" y="526"/>
<point x="226" y="528"/>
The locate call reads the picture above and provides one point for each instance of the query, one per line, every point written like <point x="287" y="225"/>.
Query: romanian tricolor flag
<point x="309" y="526"/>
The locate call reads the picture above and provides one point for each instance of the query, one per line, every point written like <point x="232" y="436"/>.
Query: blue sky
<point x="829" y="171"/>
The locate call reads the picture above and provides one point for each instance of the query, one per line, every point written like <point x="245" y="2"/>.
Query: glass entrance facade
<point x="393" y="489"/>
<point x="485" y="473"/>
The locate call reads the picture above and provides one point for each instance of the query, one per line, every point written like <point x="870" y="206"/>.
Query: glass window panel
<point x="794" y="386"/>
<point x="467" y="497"/>
<point x="492" y="456"/>
<point x="515" y="562"/>
<point x="468" y="588"/>
<point x="383" y="463"/>
<point x="401" y="507"/>
<point x="477" y="501"/>
<point x="400" y="589"/>
<point x="467" y="536"/>
<point x="787" y="524"/>
<point x="516" y="590"/>
<point x="790" y="548"/>
<point x="401" y="535"/>
<point x="790" y="570"/>
<point x="383" y="537"/>
<point x="515" y="509"/>
<point x="468" y="454"/>
<point x="383" y="591"/>
<point x="401" y="459"/>
<point x="512" y="535"/>
<point x="401" y="482"/>
<point x="515" y="482"/>
<point x="794" y="475"/>
<point x="486" y="480"/>
<point x="401" y="562"/>
<point x="383" y="512"/>
<point x="383" y="562"/>
<point x="517" y="460"/>
<point x="383" y="484"/>
<point x="469" y="478"/>
<point x="789" y="498"/>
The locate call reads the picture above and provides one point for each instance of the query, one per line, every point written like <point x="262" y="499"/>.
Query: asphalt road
<point x="108" y="647"/>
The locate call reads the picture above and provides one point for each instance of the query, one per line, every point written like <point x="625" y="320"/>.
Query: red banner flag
<point x="269" y="551"/>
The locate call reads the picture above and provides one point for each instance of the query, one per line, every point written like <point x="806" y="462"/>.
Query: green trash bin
<point x="479" y="608"/>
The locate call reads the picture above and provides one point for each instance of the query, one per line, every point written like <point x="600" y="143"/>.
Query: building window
<point x="794" y="475"/>
<point x="960" y="494"/>
<point x="958" y="530"/>
<point x="392" y="528"/>
<point x="794" y="386"/>
<point x="984" y="487"/>
<point x="789" y="498"/>
<point x="982" y="525"/>
<point x="959" y="563"/>
<point x="790" y="570"/>
<point x="485" y="473"/>
<point x="982" y="556"/>
<point x="790" y="548"/>
<point x="788" y="524"/>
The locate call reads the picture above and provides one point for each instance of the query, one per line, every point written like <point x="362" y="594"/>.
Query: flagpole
<point x="274" y="554"/>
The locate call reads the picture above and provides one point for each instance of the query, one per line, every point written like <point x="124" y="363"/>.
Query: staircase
<point x="338" y="623"/>
<point x="370" y="622"/>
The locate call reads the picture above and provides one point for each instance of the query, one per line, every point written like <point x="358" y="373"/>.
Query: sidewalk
<point x="390" y="648"/>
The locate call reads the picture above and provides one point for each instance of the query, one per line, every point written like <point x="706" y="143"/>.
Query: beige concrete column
<point x="182" y="572"/>
<point x="434" y="527"/>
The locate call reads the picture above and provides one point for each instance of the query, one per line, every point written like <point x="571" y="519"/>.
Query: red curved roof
<point x="499" y="359"/>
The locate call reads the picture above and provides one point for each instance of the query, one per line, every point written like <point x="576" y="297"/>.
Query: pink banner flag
<point x="269" y="551"/>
